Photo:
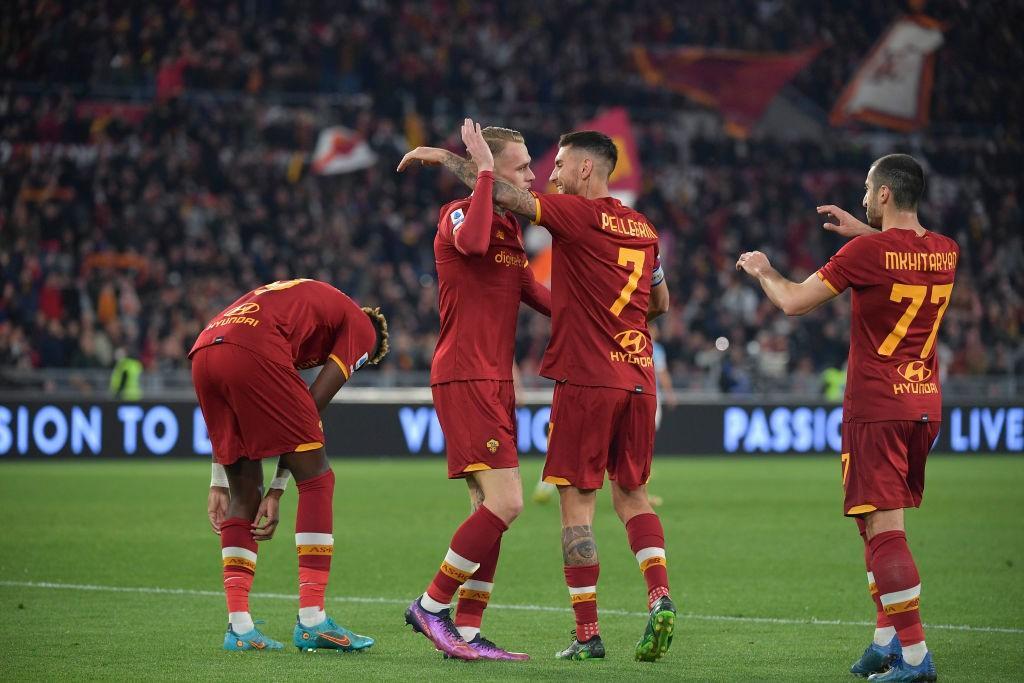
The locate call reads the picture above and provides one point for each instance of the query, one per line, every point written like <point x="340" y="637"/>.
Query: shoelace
<point x="449" y="625"/>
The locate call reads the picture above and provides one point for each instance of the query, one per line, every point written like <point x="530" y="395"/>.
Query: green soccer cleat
<point x="657" y="638"/>
<point x="253" y="640"/>
<point x="577" y="651"/>
<point x="329" y="636"/>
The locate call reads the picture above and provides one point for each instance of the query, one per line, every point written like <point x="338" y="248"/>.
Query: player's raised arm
<point x="792" y="297"/>
<point x="505" y="193"/>
<point x="845" y="224"/>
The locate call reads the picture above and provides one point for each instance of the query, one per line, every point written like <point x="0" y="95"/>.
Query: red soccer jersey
<point x="902" y="284"/>
<point x="603" y="257"/>
<point x="300" y="323"/>
<point x="479" y="296"/>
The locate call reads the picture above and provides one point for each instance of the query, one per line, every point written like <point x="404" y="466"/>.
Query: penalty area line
<point x="146" y="590"/>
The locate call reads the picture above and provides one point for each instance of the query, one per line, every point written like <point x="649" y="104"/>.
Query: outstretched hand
<point x="753" y="263"/>
<point x="428" y="156"/>
<point x="845" y="224"/>
<point x="477" y="147"/>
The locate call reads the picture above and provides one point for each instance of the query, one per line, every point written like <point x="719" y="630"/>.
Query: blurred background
<point x="159" y="159"/>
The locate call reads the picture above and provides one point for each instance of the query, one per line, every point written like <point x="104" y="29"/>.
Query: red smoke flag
<point x="893" y="86"/>
<point x="739" y="84"/>
<point x="626" y="178"/>
<point x="340" y="150"/>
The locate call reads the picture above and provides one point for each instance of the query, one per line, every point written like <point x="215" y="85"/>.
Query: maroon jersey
<point x="604" y="255"/>
<point x="298" y="323"/>
<point x="902" y="284"/>
<point x="479" y="295"/>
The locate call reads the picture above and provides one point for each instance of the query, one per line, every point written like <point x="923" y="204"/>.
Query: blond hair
<point x="496" y="138"/>
<point x="381" y="324"/>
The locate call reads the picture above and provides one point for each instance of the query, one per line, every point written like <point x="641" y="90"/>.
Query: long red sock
<point x="899" y="585"/>
<point x="647" y="540"/>
<point x="582" y="583"/>
<point x="470" y="545"/>
<point x="476" y="592"/>
<point x="314" y="543"/>
<point x="238" y="551"/>
<point x="881" y="618"/>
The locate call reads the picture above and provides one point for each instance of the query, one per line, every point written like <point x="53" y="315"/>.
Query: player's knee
<point x="508" y="506"/>
<point x="628" y="504"/>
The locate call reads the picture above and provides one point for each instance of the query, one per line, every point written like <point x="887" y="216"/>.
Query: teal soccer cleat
<point x="876" y="658"/>
<point x="253" y="640"/>
<point x="329" y="636"/>
<point x="901" y="671"/>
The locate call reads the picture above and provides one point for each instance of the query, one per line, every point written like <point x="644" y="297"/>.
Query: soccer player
<point x="483" y="275"/>
<point x="606" y="284"/>
<point x="902" y="280"/>
<point x="245" y="367"/>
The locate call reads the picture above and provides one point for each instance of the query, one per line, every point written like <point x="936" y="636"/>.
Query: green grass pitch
<point x="768" y="574"/>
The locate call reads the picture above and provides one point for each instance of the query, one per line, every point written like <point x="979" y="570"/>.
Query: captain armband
<point x="658" y="276"/>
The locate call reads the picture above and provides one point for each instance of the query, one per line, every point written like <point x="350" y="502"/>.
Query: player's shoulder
<point x="449" y="210"/>
<point x="946" y="242"/>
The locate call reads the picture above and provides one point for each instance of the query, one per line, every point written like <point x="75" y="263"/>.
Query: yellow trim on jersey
<point x="558" y="481"/>
<point x="861" y="509"/>
<point x="476" y="467"/>
<point x="827" y="283"/>
<point x="536" y="200"/>
<point x="311" y="446"/>
<point x="344" y="368"/>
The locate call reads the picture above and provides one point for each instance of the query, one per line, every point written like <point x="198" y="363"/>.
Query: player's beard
<point x="873" y="215"/>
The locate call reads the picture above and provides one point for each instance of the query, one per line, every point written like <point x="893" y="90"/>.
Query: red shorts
<point x="598" y="429"/>
<point x="883" y="464"/>
<point x="254" y="408"/>
<point x="478" y="418"/>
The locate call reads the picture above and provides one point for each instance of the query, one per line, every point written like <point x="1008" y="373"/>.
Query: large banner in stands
<point x="102" y="429"/>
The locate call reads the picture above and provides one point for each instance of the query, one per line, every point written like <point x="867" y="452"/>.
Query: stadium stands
<point x="152" y="170"/>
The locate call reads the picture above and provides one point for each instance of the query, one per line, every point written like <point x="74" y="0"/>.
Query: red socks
<point x="476" y="592"/>
<point x="582" y="583"/>
<point x="647" y="540"/>
<point x="470" y="545"/>
<point x="899" y="585"/>
<point x="881" y="618"/>
<point x="314" y="542"/>
<point x="238" y="550"/>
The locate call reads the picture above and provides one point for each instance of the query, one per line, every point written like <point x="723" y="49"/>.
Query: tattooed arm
<point x="505" y="193"/>
<point x="578" y="546"/>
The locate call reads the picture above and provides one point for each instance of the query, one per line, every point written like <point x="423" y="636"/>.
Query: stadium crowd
<point x="125" y="224"/>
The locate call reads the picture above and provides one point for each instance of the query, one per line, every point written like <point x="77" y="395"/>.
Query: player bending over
<point x="902" y="280"/>
<point x="482" y="274"/>
<point x="606" y="284"/>
<point x="245" y="370"/>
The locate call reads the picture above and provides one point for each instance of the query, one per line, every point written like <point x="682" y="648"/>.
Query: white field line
<point x="526" y="608"/>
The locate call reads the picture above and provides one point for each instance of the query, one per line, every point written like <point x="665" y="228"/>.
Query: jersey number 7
<point x="626" y="257"/>
<point x="917" y="295"/>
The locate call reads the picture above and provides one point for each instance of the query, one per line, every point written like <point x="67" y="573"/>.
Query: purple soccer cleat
<point x="440" y="630"/>
<point x="488" y="650"/>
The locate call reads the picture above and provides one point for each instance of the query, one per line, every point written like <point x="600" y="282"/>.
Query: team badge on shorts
<point x="492" y="445"/>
